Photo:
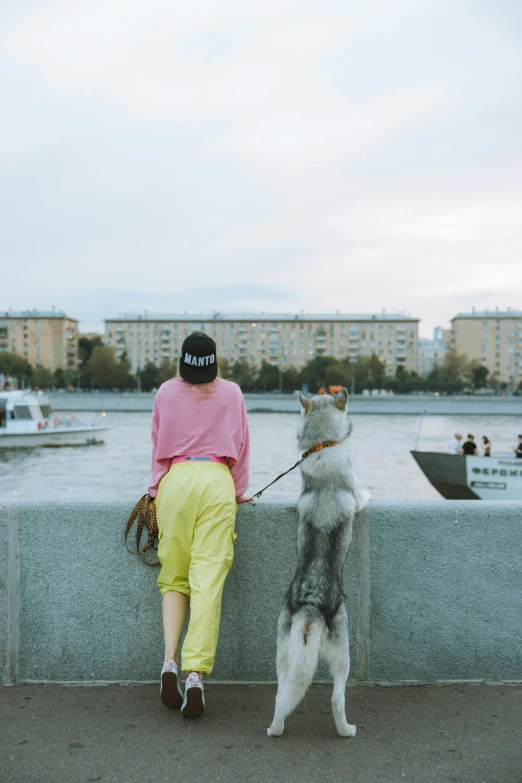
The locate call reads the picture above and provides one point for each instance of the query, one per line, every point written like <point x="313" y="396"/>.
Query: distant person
<point x="486" y="444"/>
<point x="470" y="447"/>
<point x="518" y="448"/>
<point x="455" y="444"/>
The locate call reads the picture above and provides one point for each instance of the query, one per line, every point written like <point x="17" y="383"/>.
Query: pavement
<point x="122" y="734"/>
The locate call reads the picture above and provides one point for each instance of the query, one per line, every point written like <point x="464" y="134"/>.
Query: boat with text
<point x="27" y="420"/>
<point x="462" y="477"/>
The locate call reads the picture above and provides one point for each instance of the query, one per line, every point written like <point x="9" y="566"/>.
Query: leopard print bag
<point x="144" y="514"/>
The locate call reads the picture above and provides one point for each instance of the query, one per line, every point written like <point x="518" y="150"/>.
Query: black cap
<point x="198" y="362"/>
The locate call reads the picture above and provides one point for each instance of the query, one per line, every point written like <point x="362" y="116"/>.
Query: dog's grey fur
<point x="313" y="622"/>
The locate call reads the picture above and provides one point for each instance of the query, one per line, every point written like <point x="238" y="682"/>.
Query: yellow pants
<point x="196" y="511"/>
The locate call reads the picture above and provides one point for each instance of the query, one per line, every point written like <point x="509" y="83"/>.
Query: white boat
<point x="26" y="421"/>
<point x="460" y="477"/>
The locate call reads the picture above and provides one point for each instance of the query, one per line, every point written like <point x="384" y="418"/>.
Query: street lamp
<point x="352" y="362"/>
<point x="282" y="370"/>
<point x="138" y="376"/>
<point x="78" y="363"/>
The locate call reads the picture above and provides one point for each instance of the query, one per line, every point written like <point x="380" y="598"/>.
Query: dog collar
<point x="319" y="446"/>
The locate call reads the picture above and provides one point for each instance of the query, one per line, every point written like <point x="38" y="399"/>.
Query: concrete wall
<point x="434" y="593"/>
<point x="286" y="403"/>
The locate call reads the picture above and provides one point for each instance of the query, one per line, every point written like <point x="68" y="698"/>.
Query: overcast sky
<point x="276" y="155"/>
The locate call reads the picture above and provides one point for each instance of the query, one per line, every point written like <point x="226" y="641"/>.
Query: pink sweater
<point x="206" y="420"/>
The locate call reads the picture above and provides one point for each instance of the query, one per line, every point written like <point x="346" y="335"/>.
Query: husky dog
<point x="314" y="622"/>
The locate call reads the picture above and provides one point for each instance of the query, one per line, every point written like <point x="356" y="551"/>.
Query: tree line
<point x="99" y="368"/>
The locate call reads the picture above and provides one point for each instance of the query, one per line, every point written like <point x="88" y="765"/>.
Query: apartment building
<point x="283" y="340"/>
<point x="432" y="352"/>
<point x="494" y="338"/>
<point x="48" y="339"/>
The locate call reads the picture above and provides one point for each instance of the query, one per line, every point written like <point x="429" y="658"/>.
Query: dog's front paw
<point x="274" y="731"/>
<point x="348" y="730"/>
<point x="362" y="499"/>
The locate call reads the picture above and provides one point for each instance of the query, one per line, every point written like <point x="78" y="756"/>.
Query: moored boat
<point x="27" y="420"/>
<point x="462" y="477"/>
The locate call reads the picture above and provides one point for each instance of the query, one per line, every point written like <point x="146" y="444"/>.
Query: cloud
<point x="283" y="154"/>
<point x="92" y="306"/>
<point x="187" y="63"/>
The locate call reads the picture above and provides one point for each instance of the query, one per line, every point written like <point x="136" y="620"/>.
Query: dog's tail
<point x="303" y="644"/>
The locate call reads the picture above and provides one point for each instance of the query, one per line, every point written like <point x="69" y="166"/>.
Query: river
<point x="119" y="469"/>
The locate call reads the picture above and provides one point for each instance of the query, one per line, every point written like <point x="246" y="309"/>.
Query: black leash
<point x="325" y="444"/>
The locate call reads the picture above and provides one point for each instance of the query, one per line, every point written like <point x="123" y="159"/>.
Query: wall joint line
<point x="13" y="593"/>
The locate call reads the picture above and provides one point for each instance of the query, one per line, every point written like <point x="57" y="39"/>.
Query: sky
<point x="274" y="155"/>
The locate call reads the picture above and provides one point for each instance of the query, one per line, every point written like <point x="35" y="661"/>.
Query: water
<point x="119" y="470"/>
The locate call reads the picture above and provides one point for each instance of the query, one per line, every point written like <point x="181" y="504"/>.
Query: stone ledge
<point x="433" y="594"/>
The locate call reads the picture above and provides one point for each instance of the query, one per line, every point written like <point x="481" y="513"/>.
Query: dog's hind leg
<point x="288" y="696"/>
<point x="297" y="655"/>
<point x="337" y="652"/>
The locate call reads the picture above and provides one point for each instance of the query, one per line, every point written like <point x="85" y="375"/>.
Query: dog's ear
<point x="341" y="399"/>
<point x="306" y="403"/>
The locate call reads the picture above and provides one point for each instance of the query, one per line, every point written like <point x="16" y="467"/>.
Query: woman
<point x="487" y="446"/>
<point x="200" y="471"/>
